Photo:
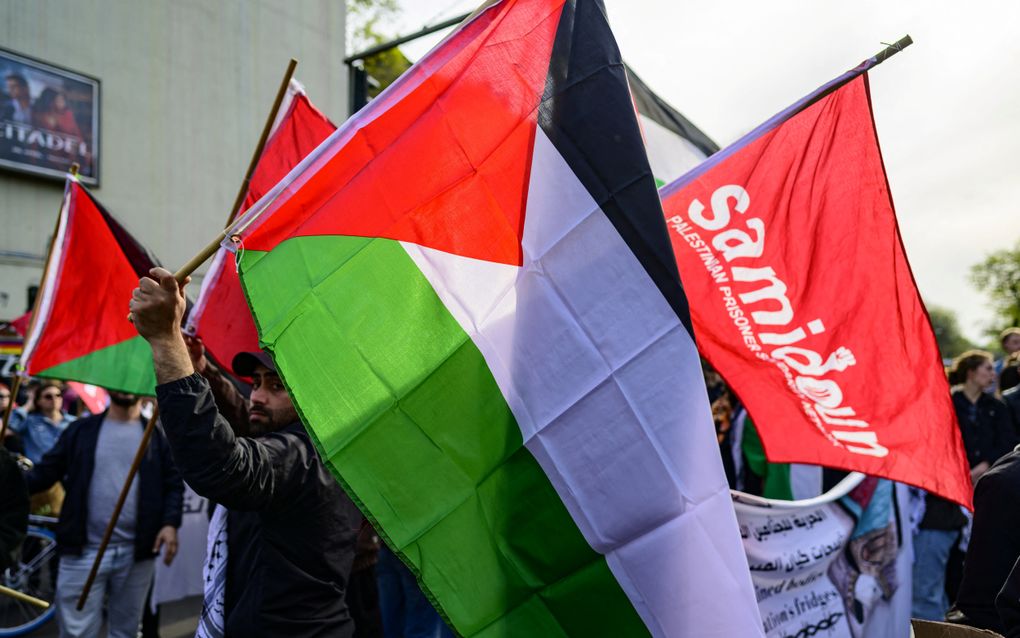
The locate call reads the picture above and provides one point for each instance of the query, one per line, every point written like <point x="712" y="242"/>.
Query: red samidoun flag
<point x="802" y="298"/>
<point x="81" y="332"/>
<point x="220" y="316"/>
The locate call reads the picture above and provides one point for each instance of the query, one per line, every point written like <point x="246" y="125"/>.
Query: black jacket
<point x="994" y="542"/>
<point x="72" y="461"/>
<point x="291" y="529"/>
<point x="13" y="508"/>
<point x="1011" y="398"/>
<point x="1007" y="603"/>
<point x="987" y="427"/>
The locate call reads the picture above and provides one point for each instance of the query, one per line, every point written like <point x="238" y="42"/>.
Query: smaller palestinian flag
<point x="220" y="315"/>
<point x="80" y="331"/>
<point x="674" y="145"/>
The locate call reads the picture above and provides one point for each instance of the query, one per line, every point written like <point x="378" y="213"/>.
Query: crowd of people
<point x="290" y="554"/>
<point x="961" y="561"/>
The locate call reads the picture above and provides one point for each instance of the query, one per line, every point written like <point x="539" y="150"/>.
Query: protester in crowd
<point x="362" y="595"/>
<point x="11" y="440"/>
<point x="43" y="421"/>
<point x="994" y="544"/>
<point x="937" y="534"/>
<point x="93" y="458"/>
<point x="1009" y="340"/>
<point x="13" y="508"/>
<point x="283" y="535"/>
<point x="38" y="425"/>
<point x="987" y="434"/>
<point x="985" y="421"/>
<point x="1011" y="397"/>
<point x="18" y="106"/>
<point x="1010" y="376"/>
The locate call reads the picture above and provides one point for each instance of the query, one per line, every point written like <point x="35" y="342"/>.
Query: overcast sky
<point x="947" y="108"/>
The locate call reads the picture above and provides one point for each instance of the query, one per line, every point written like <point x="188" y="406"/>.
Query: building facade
<point x="185" y="89"/>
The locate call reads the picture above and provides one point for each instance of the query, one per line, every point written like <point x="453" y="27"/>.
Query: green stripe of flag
<point x="422" y="438"/>
<point x="124" y="366"/>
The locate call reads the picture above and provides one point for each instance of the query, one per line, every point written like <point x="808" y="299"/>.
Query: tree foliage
<point x="947" y="332"/>
<point x="998" y="276"/>
<point x="366" y="26"/>
<point x="365" y="20"/>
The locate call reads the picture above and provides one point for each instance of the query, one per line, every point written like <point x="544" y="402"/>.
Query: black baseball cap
<point x="244" y="363"/>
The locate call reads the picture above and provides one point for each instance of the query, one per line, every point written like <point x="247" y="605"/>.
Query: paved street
<point x="177" y="620"/>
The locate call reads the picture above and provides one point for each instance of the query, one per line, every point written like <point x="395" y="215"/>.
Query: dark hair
<point x="17" y="77"/>
<point x="41" y="387"/>
<point x="963" y="364"/>
<point x="46" y="100"/>
<point x="1010" y="376"/>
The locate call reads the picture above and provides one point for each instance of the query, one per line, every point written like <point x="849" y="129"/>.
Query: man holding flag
<point x="282" y="538"/>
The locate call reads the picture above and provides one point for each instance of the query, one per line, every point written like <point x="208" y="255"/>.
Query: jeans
<point x="406" y="612"/>
<point x="121" y="578"/>
<point x="931" y="553"/>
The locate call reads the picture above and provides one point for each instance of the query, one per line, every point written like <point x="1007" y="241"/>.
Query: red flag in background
<point x="220" y="316"/>
<point x="802" y="298"/>
<point x="21" y="323"/>
<point x="80" y="332"/>
<point x="94" y="397"/>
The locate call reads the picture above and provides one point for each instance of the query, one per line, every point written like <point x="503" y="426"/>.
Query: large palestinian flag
<point x="81" y="331"/>
<point x="470" y="294"/>
<point x="220" y="315"/>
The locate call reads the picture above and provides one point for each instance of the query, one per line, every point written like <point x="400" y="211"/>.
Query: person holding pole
<point x="282" y="540"/>
<point x="92" y="458"/>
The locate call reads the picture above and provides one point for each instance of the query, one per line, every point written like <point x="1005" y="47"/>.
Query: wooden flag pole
<point x="893" y="49"/>
<point x="139" y="455"/>
<point x="273" y="112"/>
<point x="181" y="275"/>
<point x="16" y="384"/>
<point x="25" y="598"/>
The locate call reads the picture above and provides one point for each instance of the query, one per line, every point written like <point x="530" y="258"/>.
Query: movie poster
<point x="49" y="119"/>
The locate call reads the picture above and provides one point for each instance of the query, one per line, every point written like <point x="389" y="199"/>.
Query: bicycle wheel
<point x="35" y="575"/>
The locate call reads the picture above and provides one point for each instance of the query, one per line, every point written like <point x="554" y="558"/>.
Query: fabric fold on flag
<point x="81" y="333"/>
<point x="470" y="293"/>
<point x="803" y="299"/>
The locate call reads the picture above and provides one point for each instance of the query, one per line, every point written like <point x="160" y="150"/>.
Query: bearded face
<point x="271" y="407"/>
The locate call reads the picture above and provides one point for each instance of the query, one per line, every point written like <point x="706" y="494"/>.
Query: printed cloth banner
<point x="835" y="566"/>
<point x="220" y="315"/>
<point x="81" y="332"/>
<point x="469" y="292"/>
<point x="802" y="297"/>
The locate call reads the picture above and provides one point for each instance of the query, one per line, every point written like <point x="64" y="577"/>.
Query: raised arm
<point x="240" y="473"/>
